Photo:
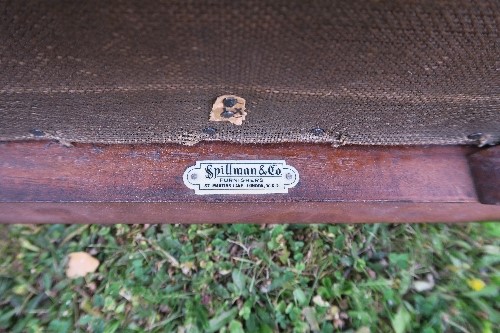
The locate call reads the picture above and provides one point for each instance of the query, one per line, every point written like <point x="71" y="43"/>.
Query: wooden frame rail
<point x="45" y="182"/>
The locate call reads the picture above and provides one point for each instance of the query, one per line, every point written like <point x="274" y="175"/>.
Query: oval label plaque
<point x="241" y="177"/>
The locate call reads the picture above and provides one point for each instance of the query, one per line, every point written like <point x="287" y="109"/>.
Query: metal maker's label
<point x="241" y="177"/>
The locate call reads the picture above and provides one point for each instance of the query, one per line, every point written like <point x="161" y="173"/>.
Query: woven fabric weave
<point x="355" y="72"/>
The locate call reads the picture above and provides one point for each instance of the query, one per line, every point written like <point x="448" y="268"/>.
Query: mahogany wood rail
<point x="45" y="182"/>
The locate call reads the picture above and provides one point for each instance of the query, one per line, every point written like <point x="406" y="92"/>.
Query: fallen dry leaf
<point x="423" y="285"/>
<point x="363" y="329"/>
<point x="310" y="314"/>
<point x="80" y="264"/>
<point x="320" y="302"/>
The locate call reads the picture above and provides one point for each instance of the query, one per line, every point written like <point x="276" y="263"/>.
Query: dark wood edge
<point x="485" y="168"/>
<point x="314" y="212"/>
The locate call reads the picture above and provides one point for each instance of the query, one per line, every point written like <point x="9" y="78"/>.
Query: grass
<point x="250" y="278"/>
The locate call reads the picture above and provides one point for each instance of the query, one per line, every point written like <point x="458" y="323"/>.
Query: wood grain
<point x="153" y="173"/>
<point x="44" y="182"/>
